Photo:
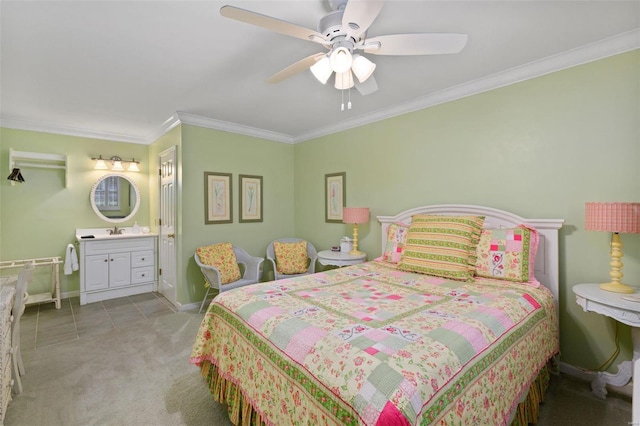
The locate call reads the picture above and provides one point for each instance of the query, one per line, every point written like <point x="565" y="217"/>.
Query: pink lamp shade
<point x="355" y="214"/>
<point x="613" y="217"/>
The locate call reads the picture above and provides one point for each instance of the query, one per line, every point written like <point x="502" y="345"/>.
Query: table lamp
<point x="617" y="218"/>
<point x="355" y="215"/>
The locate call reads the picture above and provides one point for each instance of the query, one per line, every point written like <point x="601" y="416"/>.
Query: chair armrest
<point x="252" y="267"/>
<point x="312" y="264"/>
<point x="211" y="273"/>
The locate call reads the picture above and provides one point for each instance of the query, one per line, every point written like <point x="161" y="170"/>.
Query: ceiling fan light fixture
<point x="344" y="80"/>
<point x="341" y="59"/>
<point x="362" y="67"/>
<point x="322" y="69"/>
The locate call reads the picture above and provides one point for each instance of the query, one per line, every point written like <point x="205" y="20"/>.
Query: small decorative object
<point x="346" y="244"/>
<point x="217" y="198"/>
<point x="250" y="198"/>
<point x="335" y="196"/>
<point x="617" y="218"/>
<point x="16" y="176"/>
<point x="136" y="228"/>
<point x="355" y="215"/>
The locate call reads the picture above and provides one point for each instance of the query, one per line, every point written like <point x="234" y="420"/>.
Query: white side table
<point x="339" y="258"/>
<point x="593" y="299"/>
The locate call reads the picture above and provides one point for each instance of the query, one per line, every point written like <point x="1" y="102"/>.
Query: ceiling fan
<point x="343" y="33"/>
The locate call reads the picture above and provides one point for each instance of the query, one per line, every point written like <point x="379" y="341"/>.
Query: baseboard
<point x="587" y="376"/>
<point x="192" y="306"/>
<point x="68" y="294"/>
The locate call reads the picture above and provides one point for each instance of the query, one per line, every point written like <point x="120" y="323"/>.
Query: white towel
<point x="71" y="260"/>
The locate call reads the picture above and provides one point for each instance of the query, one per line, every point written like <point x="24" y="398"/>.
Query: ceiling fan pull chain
<point x="342" y="92"/>
<point x="349" y="103"/>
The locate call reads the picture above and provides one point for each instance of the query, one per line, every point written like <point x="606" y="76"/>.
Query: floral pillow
<point x="443" y="246"/>
<point x="291" y="258"/>
<point x="396" y="240"/>
<point x="508" y="254"/>
<point x="223" y="258"/>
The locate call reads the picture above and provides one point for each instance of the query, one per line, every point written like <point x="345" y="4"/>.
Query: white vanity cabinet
<point x="117" y="267"/>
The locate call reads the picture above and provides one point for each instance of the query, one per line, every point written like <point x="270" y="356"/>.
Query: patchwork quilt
<point x="373" y="345"/>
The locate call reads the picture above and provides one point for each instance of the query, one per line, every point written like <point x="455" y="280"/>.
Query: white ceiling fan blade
<point x="272" y="24"/>
<point x="368" y="87"/>
<point x="416" y="44"/>
<point x="301" y="65"/>
<point x="359" y="15"/>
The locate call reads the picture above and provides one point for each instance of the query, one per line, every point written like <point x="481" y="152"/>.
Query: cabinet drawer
<point x="142" y="258"/>
<point x="117" y="246"/>
<point x="142" y="275"/>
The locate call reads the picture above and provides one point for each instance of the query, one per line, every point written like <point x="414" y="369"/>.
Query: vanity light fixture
<point x="116" y="164"/>
<point x="100" y="164"/>
<point x="133" y="166"/>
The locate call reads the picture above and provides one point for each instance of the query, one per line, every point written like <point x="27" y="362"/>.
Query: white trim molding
<point x="21" y="124"/>
<point x="210" y="123"/>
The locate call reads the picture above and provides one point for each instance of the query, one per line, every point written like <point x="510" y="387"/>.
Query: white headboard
<point x="546" y="266"/>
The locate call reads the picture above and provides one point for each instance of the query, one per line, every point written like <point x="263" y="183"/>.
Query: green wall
<point x="206" y="150"/>
<point x="39" y="217"/>
<point x="540" y="148"/>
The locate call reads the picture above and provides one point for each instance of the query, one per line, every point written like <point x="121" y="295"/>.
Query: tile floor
<point x="43" y="324"/>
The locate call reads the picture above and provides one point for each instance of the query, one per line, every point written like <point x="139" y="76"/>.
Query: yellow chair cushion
<point x="291" y="258"/>
<point x="222" y="257"/>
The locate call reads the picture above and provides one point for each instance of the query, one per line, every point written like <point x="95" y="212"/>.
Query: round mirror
<point x="115" y="198"/>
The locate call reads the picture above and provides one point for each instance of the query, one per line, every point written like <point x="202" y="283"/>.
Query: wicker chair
<point x="251" y="274"/>
<point x="311" y="253"/>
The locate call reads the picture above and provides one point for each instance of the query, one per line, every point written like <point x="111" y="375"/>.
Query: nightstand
<point x="593" y="299"/>
<point x="339" y="258"/>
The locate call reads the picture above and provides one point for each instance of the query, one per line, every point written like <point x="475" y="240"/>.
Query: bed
<point x="381" y="344"/>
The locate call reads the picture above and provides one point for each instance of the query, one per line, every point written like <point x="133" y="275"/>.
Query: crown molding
<point x="20" y="124"/>
<point x="611" y="46"/>
<point x="210" y="123"/>
<point x="615" y="45"/>
<point x="164" y="128"/>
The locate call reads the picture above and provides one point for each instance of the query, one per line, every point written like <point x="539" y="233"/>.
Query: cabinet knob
<point x="106" y="260"/>
<point x="171" y="235"/>
<point x="142" y="259"/>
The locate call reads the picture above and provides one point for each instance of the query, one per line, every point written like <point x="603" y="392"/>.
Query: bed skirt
<point x="242" y="413"/>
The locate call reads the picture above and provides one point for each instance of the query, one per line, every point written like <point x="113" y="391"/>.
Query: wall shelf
<point x="23" y="159"/>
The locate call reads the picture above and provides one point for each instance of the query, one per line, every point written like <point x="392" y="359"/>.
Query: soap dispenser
<point x="136" y="228"/>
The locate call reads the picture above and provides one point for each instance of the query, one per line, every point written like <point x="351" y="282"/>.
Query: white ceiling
<point x="128" y="70"/>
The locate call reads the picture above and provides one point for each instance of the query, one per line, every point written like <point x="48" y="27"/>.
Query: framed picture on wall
<point x="250" y="198"/>
<point x="335" y="196"/>
<point x="217" y="198"/>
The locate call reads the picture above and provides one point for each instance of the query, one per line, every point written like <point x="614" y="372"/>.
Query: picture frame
<point x="217" y="198"/>
<point x="250" y="198"/>
<point x="335" y="196"/>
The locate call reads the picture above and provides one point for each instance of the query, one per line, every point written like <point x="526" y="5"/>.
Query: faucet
<point x="115" y="231"/>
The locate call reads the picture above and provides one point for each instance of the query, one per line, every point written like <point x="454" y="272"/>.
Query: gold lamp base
<point x="617" y="288"/>
<point x="615" y="285"/>
<point x="355" y="253"/>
